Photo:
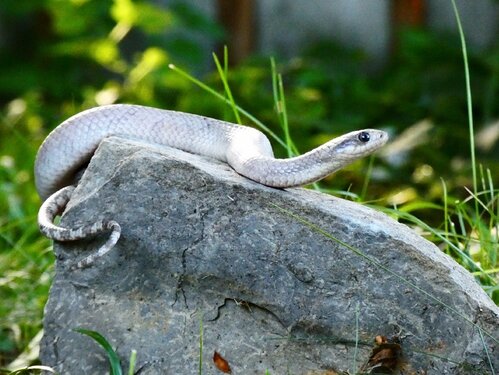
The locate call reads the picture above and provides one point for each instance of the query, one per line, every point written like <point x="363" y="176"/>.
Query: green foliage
<point x="80" y="53"/>
<point x="114" y="360"/>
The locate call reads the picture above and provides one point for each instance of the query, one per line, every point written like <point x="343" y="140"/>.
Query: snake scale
<point x="69" y="147"/>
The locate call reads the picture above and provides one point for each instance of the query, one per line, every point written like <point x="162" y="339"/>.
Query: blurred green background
<point x="60" y="57"/>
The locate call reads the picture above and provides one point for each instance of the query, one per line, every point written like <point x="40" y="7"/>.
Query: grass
<point x="468" y="237"/>
<point x="469" y="231"/>
<point x="114" y="360"/>
<point x="468" y="98"/>
<point x="26" y="259"/>
<point x="458" y="241"/>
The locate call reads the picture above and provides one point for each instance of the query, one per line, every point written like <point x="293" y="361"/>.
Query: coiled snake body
<point x="248" y="151"/>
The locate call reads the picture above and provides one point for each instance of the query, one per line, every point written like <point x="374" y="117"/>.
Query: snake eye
<point x="364" y="137"/>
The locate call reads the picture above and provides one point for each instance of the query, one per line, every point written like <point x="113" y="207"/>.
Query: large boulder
<point x="205" y="249"/>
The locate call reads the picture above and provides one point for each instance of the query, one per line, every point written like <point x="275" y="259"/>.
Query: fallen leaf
<point x="386" y="356"/>
<point x="221" y="363"/>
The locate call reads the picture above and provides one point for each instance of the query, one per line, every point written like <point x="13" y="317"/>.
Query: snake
<point x="63" y="155"/>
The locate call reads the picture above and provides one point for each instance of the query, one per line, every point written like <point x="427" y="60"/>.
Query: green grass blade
<point x="447" y="219"/>
<point x="133" y="362"/>
<point x="201" y="345"/>
<point x="468" y="99"/>
<point x="226" y="61"/>
<point x="280" y="107"/>
<point x="222" y="72"/>
<point x="367" y="178"/>
<point x="486" y="352"/>
<point x="478" y="200"/>
<point x="464" y="256"/>
<point x="482" y="177"/>
<point x="114" y="360"/>
<point x="356" y="349"/>
<point x="491" y="270"/>
<point x="282" y="113"/>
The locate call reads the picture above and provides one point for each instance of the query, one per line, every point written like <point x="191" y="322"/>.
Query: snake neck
<point x="310" y="167"/>
<point x="296" y="171"/>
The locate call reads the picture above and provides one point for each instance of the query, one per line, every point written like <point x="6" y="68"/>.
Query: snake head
<point x="360" y="143"/>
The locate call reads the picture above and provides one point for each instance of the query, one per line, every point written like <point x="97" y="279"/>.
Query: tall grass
<point x="468" y="99"/>
<point x="26" y="259"/>
<point x="469" y="231"/>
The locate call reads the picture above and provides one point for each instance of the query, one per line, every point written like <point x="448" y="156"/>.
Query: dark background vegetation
<point x="60" y="57"/>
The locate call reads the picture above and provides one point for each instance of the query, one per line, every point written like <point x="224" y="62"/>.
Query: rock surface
<point x="201" y="243"/>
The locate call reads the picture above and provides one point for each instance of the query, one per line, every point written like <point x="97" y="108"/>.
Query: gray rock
<point x="201" y="243"/>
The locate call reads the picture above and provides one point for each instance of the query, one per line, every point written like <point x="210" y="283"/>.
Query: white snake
<point x="69" y="147"/>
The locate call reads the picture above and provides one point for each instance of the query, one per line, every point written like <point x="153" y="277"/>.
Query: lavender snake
<point x="248" y="151"/>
